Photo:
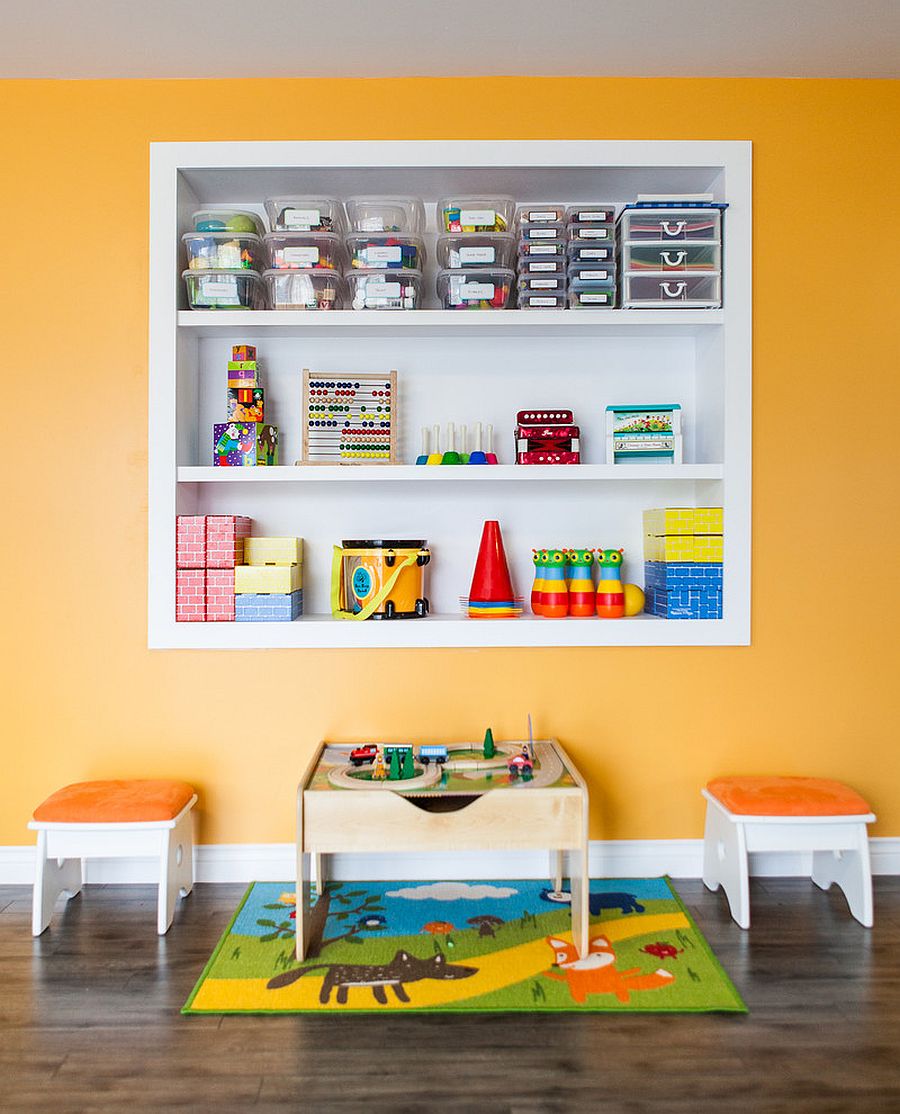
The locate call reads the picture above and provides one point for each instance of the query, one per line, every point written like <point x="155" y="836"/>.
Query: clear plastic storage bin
<point x="600" y="213"/>
<point x="585" y="275"/>
<point x="386" y="214"/>
<point x="385" y="251"/>
<point x="592" y="299"/>
<point x="306" y="214"/>
<point x="476" y="249"/>
<point x="542" y="249"/>
<point x="486" y="289"/>
<point x="541" y="282"/>
<point x="660" y="291"/>
<point x="593" y="233"/>
<point x="475" y="214"/>
<point x="543" y="299"/>
<point x="228" y="220"/>
<point x="223" y="251"/>
<point x="533" y="233"/>
<point x="665" y="225"/>
<point x="538" y="265"/>
<point x="385" y="289"/>
<point x="548" y="213"/>
<point x="314" y="289"/>
<point x="586" y="251"/>
<point x="304" y="251"/>
<point x="235" y="289"/>
<point x="671" y="257"/>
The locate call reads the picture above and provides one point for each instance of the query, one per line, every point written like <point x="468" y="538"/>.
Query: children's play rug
<point x="444" y="946"/>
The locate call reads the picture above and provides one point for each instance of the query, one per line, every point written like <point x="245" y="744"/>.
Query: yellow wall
<point x="817" y="691"/>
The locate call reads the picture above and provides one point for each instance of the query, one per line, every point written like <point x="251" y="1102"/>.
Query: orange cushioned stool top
<point x="115" y="802"/>
<point x="787" y="796"/>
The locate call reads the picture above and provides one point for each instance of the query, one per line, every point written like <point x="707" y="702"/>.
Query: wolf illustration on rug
<point x="403" y="968"/>
<point x="597" y="973"/>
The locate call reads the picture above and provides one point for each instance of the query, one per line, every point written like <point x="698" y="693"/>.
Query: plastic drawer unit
<point x="659" y="291"/>
<point x="670" y="255"/>
<point x="670" y="225"/>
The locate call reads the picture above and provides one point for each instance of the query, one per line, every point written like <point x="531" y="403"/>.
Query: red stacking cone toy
<point x="491" y="595"/>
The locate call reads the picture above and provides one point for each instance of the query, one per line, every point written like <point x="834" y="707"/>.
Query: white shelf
<point x="437" y="322"/>
<point x="486" y="474"/>
<point x="322" y="631"/>
<point x="459" y="367"/>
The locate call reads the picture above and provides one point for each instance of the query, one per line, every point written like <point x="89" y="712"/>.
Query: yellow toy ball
<point x="634" y="599"/>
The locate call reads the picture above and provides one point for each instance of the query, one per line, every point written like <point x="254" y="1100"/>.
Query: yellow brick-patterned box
<point x="683" y="520"/>
<point x="683" y="534"/>
<point x="273" y="551"/>
<point x="267" y="578"/>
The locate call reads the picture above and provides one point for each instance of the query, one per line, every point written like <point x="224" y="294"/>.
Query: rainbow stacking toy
<point x="491" y="595"/>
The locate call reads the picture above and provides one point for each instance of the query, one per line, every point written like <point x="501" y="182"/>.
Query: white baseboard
<point x="624" y="858"/>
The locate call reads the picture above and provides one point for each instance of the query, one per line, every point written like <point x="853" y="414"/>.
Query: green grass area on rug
<point x="447" y="946"/>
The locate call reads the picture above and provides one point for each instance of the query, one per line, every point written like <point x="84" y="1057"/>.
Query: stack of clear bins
<point x="475" y="252"/>
<point x="591" y="255"/>
<point x="542" y="279"/>
<point x="671" y="255"/>
<point x="225" y="255"/>
<point x="386" y="252"/>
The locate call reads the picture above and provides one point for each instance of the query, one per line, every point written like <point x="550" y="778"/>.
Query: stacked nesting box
<point x="207" y="550"/>
<point x="683" y="562"/>
<point x="245" y="438"/>
<point x="268" y="586"/>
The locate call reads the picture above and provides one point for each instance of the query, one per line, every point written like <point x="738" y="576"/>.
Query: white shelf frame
<point x="728" y="329"/>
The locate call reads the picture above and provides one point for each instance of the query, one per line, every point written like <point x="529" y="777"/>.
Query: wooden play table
<point x="470" y="803"/>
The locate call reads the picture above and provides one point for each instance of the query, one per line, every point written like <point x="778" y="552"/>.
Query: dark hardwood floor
<point x="89" y="1021"/>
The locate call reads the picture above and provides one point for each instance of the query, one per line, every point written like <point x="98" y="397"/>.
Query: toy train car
<point x="363" y="754"/>
<point x="433" y="753"/>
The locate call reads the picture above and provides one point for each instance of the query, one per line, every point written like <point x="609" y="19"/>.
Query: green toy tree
<point x="394" y="768"/>
<point x="489" y="749"/>
<point x="408" y="768"/>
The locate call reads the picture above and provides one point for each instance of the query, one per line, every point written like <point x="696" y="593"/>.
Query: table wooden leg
<point x="319" y="868"/>
<point x="304" y="903"/>
<point x="556" y="870"/>
<point x="580" y="881"/>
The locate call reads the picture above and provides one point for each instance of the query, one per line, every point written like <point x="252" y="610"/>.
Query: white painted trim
<point x="625" y="858"/>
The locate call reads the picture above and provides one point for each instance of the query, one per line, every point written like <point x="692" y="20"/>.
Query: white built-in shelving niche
<point x="460" y="367"/>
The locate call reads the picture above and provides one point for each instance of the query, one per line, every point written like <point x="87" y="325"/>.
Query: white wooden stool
<point x="113" y="819"/>
<point x="745" y="814"/>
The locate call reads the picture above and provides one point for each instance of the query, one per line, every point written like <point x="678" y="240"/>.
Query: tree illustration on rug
<point x="367" y="912"/>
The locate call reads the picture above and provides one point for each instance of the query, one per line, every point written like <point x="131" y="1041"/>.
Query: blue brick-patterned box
<point x="683" y="589"/>
<point x="272" y="608"/>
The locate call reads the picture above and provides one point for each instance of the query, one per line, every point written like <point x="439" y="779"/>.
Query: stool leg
<point x="852" y="872"/>
<point x="725" y="862"/>
<point x="556" y="870"/>
<point x="175" y="871"/>
<point x="51" y="878"/>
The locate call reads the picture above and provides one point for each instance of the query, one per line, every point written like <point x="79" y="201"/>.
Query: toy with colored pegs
<point x="457" y="451"/>
<point x="451" y="456"/>
<point x="434" y="457"/>
<point x="422" y="458"/>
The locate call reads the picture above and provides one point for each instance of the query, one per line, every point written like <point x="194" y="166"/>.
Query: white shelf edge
<point x="437" y="322"/>
<point x="411" y="473"/>
<point x="323" y="632"/>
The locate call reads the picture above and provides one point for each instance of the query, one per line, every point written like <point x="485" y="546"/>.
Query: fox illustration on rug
<point x="403" y="968"/>
<point x="597" y="973"/>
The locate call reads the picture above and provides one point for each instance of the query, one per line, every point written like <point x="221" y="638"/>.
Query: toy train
<point x="430" y="753"/>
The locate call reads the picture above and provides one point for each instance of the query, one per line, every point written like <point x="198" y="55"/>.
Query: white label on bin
<point x="594" y="214"/>
<point x="539" y="266"/>
<point x="393" y="253"/>
<point x="302" y="218"/>
<point x="371" y="224"/>
<point x="593" y="233"/>
<point x="594" y="253"/>
<point x="593" y="299"/>
<point x="544" y="284"/>
<point x="593" y="275"/>
<point x="300" y="255"/>
<point x="218" y="290"/>
<point x="476" y="255"/>
<point x="382" y="290"/>
<point x="542" y="249"/>
<point x="542" y="233"/>
<point x="541" y="214"/>
<point x="539" y="301"/>
<point x="483" y="217"/>
<point x="476" y="291"/>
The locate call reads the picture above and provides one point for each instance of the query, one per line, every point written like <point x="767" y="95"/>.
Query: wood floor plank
<point x="89" y="1022"/>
